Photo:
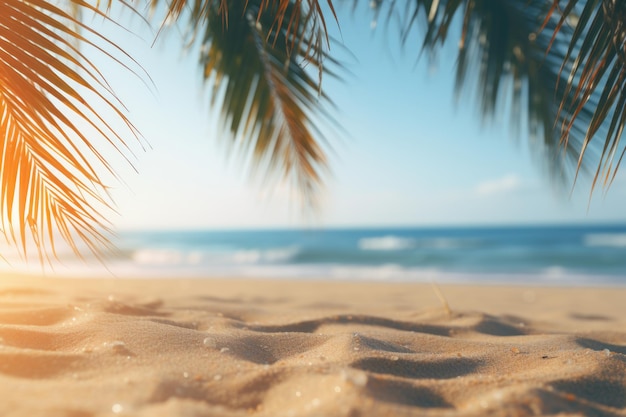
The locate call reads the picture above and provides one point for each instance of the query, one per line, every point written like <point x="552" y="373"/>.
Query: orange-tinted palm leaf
<point x="49" y="173"/>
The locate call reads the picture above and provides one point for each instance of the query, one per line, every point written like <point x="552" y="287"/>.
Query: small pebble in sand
<point x="356" y="378"/>
<point x="117" y="408"/>
<point x="210" y="342"/>
<point x="224" y="350"/>
<point x="606" y="352"/>
<point x="116" y="346"/>
<point x="217" y="377"/>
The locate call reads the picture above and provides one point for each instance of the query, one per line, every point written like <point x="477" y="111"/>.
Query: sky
<point x="408" y="153"/>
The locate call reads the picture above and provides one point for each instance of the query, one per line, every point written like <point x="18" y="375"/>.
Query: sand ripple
<point x="64" y="354"/>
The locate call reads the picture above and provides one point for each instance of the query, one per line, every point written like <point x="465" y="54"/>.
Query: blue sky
<point x="408" y="156"/>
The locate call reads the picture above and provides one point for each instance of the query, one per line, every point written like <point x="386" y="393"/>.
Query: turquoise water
<point x="560" y="255"/>
<point x="538" y="254"/>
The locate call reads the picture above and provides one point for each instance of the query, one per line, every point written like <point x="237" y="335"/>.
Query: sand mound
<point x="234" y="348"/>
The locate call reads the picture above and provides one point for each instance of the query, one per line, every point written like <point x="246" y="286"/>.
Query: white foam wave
<point x="246" y="257"/>
<point x="165" y="257"/>
<point x="400" y="243"/>
<point x="255" y="256"/>
<point x="445" y="243"/>
<point x="386" y="243"/>
<point x="396" y="273"/>
<point x="386" y="272"/>
<point x="176" y="257"/>
<point x="554" y="272"/>
<point x="615" y="240"/>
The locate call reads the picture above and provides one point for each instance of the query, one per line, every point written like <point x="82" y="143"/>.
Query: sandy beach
<point x="217" y="347"/>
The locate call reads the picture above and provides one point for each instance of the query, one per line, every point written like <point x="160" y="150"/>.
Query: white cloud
<point x="505" y="184"/>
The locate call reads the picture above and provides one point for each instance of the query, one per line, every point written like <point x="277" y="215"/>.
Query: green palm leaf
<point x="593" y="108"/>
<point x="502" y="59"/>
<point x="264" y="60"/>
<point x="50" y="169"/>
<point x="559" y="64"/>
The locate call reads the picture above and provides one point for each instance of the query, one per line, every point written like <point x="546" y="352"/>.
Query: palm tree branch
<point x="46" y="39"/>
<point x="49" y="177"/>
<point x="594" y="67"/>
<point x="259" y="57"/>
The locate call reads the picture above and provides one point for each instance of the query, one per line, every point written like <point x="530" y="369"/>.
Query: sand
<point x="217" y="347"/>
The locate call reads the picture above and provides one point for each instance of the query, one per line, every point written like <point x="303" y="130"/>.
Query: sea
<point x="587" y="255"/>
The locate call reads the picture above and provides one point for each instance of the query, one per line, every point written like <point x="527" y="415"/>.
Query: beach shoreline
<point x="231" y="347"/>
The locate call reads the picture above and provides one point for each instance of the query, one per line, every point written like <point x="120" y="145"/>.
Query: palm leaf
<point x="50" y="168"/>
<point x="593" y="109"/>
<point x="559" y="64"/>
<point x="264" y="60"/>
<point x="502" y="57"/>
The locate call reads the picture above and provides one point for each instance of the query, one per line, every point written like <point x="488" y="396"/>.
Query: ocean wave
<point x="554" y="272"/>
<point x="180" y="266"/>
<point x="391" y="242"/>
<point x="255" y="256"/>
<point x="386" y="243"/>
<point x="385" y="272"/>
<point x="445" y="243"/>
<point x="180" y="257"/>
<point x="614" y="240"/>
<point x="163" y="257"/>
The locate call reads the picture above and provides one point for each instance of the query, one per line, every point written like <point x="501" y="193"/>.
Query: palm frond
<point x="50" y="168"/>
<point x="560" y="63"/>
<point x="502" y="57"/>
<point x="286" y="16"/>
<point x="265" y="61"/>
<point x="593" y="108"/>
